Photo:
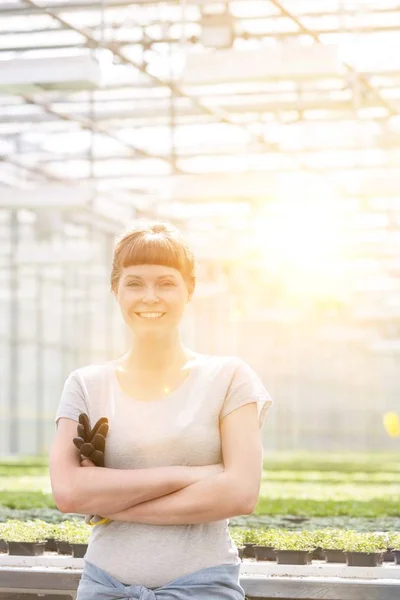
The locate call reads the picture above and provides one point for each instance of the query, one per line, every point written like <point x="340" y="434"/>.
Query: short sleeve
<point x="72" y="402"/>
<point x="245" y="387"/>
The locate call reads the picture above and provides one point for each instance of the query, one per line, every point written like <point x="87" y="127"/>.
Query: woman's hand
<point x="91" y="519"/>
<point x="86" y="462"/>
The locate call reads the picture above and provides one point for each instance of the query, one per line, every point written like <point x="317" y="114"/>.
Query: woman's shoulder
<point x="219" y="362"/>
<point x="92" y="372"/>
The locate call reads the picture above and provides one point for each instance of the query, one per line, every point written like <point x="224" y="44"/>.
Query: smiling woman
<point x="153" y="279"/>
<point x="183" y="448"/>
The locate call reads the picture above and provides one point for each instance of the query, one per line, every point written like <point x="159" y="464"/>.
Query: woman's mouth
<point x="150" y="315"/>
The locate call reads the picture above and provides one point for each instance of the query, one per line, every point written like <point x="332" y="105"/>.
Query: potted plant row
<point x="245" y="539"/>
<point x="73" y="537"/>
<point x="24" y="538"/>
<point x="335" y="545"/>
<point x="393" y="548"/>
<point x="366" y="551"/>
<point x="274" y="544"/>
<point x="32" y="538"/>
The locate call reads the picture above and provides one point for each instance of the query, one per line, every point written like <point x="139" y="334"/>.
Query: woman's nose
<point x="150" y="296"/>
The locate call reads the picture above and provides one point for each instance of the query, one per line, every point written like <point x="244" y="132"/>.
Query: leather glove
<point x="92" y="442"/>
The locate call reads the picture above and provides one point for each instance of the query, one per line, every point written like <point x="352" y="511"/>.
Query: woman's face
<point x="152" y="298"/>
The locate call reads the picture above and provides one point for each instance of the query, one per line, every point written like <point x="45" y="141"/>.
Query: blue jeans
<point x="214" y="583"/>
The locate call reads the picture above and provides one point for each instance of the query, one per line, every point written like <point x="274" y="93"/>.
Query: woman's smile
<point x="150" y="315"/>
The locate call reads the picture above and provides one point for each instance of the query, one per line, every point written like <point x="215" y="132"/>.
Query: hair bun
<point x="159" y="228"/>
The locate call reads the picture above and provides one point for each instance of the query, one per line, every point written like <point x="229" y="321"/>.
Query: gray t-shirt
<point x="180" y="429"/>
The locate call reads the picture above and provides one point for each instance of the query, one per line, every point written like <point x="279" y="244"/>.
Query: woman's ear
<point x="190" y="293"/>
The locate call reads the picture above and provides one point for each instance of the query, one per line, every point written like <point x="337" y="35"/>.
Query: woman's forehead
<point x="150" y="270"/>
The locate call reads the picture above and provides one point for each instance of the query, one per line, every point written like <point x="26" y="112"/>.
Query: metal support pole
<point x="14" y="335"/>
<point x="39" y="363"/>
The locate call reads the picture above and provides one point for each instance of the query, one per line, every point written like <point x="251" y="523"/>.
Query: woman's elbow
<point x="63" y="503"/>
<point x="63" y="498"/>
<point x="245" y="499"/>
<point x="248" y="504"/>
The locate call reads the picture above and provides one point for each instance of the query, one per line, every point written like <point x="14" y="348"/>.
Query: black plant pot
<point x="248" y="550"/>
<point x="63" y="547"/>
<point x="264" y="553"/>
<point x="3" y="546"/>
<point x="364" y="559"/>
<point x="240" y="551"/>
<point x="318" y="554"/>
<point x="51" y="545"/>
<point x="388" y="556"/>
<point x="293" y="557"/>
<point x="26" y="548"/>
<point x="79" y="550"/>
<point x="396" y="554"/>
<point x="334" y="555"/>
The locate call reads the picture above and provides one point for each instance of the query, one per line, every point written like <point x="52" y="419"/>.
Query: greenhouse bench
<point x="60" y="584"/>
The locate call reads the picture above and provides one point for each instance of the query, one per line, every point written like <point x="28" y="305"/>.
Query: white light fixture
<point x="75" y="252"/>
<point x="214" y="187"/>
<point x="61" y="196"/>
<point x="217" y="29"/>
<point x="19" y="75"/>
<point x="288" y="60"/>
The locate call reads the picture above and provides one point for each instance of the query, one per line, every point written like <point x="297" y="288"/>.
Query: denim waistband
<point x="220" y="582"/>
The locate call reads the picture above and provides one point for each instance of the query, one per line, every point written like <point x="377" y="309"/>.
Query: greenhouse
<point x="268" y="133"/>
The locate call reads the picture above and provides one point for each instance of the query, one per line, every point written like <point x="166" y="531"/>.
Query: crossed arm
<point x="232" y="492"/>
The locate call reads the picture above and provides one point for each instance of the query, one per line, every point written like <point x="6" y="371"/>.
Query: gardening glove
<point x="91" y="444"/>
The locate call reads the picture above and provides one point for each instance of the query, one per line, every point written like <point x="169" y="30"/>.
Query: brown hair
<point x="153" y="243"/>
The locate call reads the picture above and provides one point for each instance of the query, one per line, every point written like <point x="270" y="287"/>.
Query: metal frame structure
<point x="149" y="142"/>
<point x="253" y="108"/>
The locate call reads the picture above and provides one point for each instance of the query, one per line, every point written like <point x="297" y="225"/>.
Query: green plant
<point x="332" y="539"/>
<point x="29" y="531"/>
<point x="237" y="535"/>
<point x="73" y="532"/>
<point x="393" y="540"/>
<point x="251" y="536"/>
<point x="367" y="542"/>
<point x="26" y="500"/>
<point x="269" y="537"/>
<point x="296" y="540"/>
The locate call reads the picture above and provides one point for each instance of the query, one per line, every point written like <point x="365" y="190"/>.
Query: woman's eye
<point x="163" y="284"/>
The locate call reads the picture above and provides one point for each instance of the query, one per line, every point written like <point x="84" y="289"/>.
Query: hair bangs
<point x="154" y="250"/>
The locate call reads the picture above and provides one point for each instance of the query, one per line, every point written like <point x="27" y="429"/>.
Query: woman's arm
<point x="209" y="500"/>
<point x="98" y="490"/>
<point x="225" y="495"/>
<point x="95" y="490"/>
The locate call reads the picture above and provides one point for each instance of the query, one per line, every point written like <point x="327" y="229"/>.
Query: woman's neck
<point x="156" y="356"/>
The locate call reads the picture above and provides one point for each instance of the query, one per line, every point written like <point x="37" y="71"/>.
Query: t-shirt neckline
<point x="167" y="398"/>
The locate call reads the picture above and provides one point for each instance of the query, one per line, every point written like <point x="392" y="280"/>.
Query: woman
<point x="183" y="452"/>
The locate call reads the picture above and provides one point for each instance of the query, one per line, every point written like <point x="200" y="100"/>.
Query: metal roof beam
<point x="295" y="169"/>
<point x="220" y="114"/>
<point x="279" y="35"/>
<point x="156" y="114"/>
<point x="361" y="78"/>
<point x="85" y="6"/>
<point x="91" y="126"/>
<point x="237" y="151"/>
